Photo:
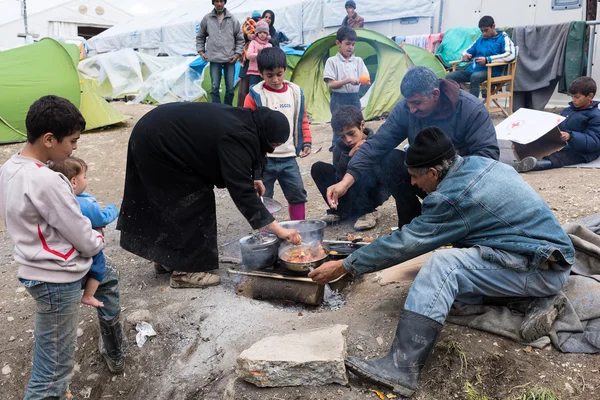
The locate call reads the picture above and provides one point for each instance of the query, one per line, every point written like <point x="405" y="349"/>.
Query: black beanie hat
<point x="213" y="1"/>
<point x="350" y="3"/>
<point x="430" y="147"/>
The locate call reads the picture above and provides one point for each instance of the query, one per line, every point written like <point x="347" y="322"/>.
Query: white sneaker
<point x="367" y="221"/>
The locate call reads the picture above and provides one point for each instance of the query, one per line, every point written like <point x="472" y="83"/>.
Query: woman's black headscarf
<point x="272" y="127"/>
<point x="272" y="31"/>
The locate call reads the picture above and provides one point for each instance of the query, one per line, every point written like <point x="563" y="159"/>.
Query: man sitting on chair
<point x="492" y="46"/>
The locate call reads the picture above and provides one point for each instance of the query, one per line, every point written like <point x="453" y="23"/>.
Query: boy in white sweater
<point x="54" y="244"/>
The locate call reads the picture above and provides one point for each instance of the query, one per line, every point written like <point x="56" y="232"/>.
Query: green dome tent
<point x="386" y="61"/>
<point x="39" y="69"/>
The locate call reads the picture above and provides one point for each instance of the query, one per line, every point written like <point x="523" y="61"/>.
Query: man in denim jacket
<point x="507" y="243"/>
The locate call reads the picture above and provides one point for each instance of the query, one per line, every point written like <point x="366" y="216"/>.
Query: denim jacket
<point x="480" y="202"/>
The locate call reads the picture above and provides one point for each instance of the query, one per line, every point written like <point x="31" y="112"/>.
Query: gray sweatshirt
<point x="220" y="40"/>
<point x="53" y="241"/>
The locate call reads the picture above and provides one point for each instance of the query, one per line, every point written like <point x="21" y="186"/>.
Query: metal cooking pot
<point x="309" y="230"/>
<point x="259" y="251"/>
<point x="304" y="267"/>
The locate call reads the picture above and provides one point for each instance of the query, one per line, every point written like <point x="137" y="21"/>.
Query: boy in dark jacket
<point x="367" y="194"/>
<point x="492" y="46"/>
<point x="580" y="130"/>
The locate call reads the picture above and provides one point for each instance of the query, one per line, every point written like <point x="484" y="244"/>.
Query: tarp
<point x="386" y="61"/>
<point x="39" y="69"/>
<point x="174" y="32"/>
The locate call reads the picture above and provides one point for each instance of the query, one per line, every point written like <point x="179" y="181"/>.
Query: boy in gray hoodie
<point x="54" y="245"/>
<point x="220" y="42"/>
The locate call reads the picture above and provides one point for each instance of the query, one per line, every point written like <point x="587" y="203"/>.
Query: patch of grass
<point x="454" y="347"/>
<point x="474" y="393"/>
<point x="539" y="394"/>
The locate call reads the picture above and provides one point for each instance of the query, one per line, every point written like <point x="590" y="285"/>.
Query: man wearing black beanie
<point x="352" y="20"/>
<point x="506" y="243"/>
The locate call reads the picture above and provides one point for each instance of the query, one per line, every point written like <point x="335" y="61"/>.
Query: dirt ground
<point x="200" y="333"/>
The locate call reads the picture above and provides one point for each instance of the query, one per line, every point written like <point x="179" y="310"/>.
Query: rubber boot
<point x="400" y="368"/>
<point x="541" y="165"/>
<point x="540" y="316"/>
<point x="297" y="212"/>
<point x="112" y="345"/>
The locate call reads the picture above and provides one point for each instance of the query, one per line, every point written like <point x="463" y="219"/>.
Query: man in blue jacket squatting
<point x="428" y="101"/>
<point x="498" y="252"/>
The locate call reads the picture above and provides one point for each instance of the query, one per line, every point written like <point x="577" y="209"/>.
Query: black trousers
<point x="363" y="197"/>
<point x="397" y="179"/>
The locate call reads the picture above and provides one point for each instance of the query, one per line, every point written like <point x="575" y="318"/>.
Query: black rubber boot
<point x="541" y="165"/>
<point x="400" y="368"/>
<point x="540" y="316"/>
<point x="112" y="345"/>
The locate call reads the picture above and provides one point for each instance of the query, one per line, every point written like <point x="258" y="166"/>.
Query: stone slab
<point x="309" y="358"/>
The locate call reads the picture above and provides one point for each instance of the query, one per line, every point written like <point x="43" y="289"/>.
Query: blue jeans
<point x="286" y="171"/>
<point x="475" y="79"/>
<point x="55" y="332"/>
<point x="467" y="275"/>
<point x="216" y="71"/>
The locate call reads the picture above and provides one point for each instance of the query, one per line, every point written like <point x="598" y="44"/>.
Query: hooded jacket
<point x="220" y="40"/>
<point x="584" y="126"/>
<point x="462" y="117"/>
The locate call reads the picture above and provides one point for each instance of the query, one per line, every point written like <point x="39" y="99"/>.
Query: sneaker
<point x="540" y="316"/>
<point x="331" y="219"/>
<point x="525" y="165"/>
<point x="180" y="280"/>
<point x="367" y="221"/>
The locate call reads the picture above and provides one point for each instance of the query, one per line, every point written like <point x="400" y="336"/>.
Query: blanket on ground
<point x="577" y="329"/>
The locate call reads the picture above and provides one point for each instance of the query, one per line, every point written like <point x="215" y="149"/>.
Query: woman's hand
<point x="260" y="188"/>
<point x="291" y="235"/>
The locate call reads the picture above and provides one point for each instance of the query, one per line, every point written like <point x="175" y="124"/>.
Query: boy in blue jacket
<point x="75" y="170"/>
<point x="492" y="46"/>
<point x="580" y="131"/>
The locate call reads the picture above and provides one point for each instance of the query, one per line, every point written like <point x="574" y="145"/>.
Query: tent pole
<point x="441" y="16"/>
<point x="25" y="17"/>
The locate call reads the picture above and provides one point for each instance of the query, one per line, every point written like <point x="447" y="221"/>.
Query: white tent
<point x="301" y="20"/>
<point x="62" y="20"/>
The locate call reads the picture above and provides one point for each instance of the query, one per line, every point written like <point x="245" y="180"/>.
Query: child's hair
<point x="55" y="115"/>
<point x="346" y="116"/>
<point x="71" y="167"/>
<point x="486" y="22"/>
<point x="584" y="85"/>
<point x="345" y="33"/>
<point x="271" y="58"/>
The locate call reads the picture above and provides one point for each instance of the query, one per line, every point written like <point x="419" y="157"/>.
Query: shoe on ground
<point x="367" y="221"/>
<point x="161" y="269"/>
<point x="540" y="316"/>
<point x="525" y="165"/>
<point x="330" y="219"/>
<point x="180" y="280"/>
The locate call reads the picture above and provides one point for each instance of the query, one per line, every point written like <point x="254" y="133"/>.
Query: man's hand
<point x="565" y="136"/>
<point x="353" y="81"/>
<point x="481" y="60"/>
<point x="204" y="57"/>
<point x="334" y="193"/>
<point x="328" y="272"/>
<point x="467" y="57"/>
<point x="305" y="151"/>
<point x="260" y="188"/>
<point x="356" y="147"/>
<point x="233" y="59"/>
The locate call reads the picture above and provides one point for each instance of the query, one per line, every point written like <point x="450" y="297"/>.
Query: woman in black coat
<point x="177" y="154"/>
<point x="269" y="16"/>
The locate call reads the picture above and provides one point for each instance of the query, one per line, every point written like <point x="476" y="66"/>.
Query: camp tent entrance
<point x="386" y="61"/>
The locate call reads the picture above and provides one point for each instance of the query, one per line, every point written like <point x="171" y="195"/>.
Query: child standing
<point x="259" y="42"/>
<point x="75" y="170"/>
<point x="367" y="193"/>
<point x="53" y="246"/>
<point x="580" y="131"/>
<point x="278" y="94"/>
<point x="343" y="72"/>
